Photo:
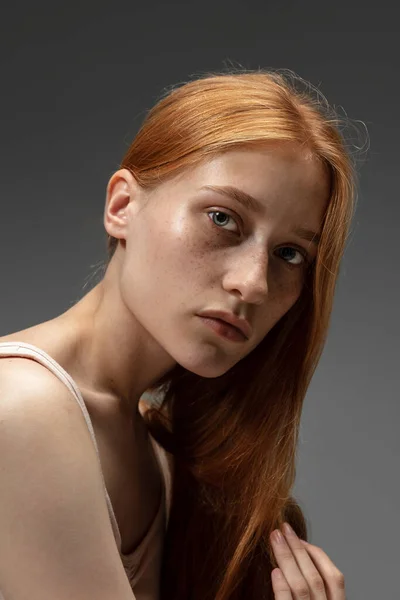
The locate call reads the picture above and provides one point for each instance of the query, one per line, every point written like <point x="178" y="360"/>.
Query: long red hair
<point x="232" y="440"/>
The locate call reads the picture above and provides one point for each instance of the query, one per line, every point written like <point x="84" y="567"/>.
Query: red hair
<point x="233" y="439"/>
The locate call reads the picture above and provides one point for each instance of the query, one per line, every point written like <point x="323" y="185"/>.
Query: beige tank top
<point x="142" y="566"/>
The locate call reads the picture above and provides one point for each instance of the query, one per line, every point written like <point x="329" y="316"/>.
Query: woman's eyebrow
<point x="240" y="196"/>
<point x="257" y="207"/>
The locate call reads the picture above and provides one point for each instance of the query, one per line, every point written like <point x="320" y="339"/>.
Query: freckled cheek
<point x="185" y="263"/>
<point x="195" y="247"/>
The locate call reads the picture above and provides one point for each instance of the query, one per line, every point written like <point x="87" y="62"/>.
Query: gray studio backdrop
<point x="77" y="79"/>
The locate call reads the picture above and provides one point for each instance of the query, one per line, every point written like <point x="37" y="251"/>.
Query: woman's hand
<point x="305" y="571"/>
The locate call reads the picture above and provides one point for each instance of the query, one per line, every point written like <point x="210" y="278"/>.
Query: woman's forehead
<point x="265" y="175"/>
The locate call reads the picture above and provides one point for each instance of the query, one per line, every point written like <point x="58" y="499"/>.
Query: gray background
<point x="77" y="79"/>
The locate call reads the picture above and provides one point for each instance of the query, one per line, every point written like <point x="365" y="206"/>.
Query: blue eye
<point x="219" y="213"/>
<point x="289" y="253"/>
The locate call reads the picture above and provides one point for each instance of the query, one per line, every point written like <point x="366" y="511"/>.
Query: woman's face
<point x="191" y="246"/>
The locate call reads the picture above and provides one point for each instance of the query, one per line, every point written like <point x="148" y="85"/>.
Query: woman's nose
<point x="248" y="276"/>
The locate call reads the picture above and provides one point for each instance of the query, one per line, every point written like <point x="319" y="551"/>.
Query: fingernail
<point x="287" y="529"/>
<point x="278" y="537"/>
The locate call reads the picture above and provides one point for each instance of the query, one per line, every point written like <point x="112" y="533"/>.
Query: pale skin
<point x="176" y="257"/>
<point x="305" y="571"/>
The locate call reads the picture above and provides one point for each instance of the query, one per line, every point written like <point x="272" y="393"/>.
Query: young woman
<point x="226" y="224"/>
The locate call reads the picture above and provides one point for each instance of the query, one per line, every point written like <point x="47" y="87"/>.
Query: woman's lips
<point x="224" y="329"/>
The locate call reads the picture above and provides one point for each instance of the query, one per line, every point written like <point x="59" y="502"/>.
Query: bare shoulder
<point x="27" y="385"/>
<point x="56" y="539"/>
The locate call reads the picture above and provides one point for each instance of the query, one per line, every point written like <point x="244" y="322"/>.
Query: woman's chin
<point x="207" y="369"/>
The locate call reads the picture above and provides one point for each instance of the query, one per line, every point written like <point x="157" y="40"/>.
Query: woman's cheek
<point x="284" y="292"/>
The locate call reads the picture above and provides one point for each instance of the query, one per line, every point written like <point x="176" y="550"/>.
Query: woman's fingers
<point x="333" y="578"/>
<point x="307" y="572"/>
<point x="304" y="580"/>
<point x="280" y="586"/>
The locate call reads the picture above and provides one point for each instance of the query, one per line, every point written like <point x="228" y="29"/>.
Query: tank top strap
<point x="25" y="350"/>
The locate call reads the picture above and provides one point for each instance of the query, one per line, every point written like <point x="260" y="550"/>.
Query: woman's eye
<point x="292" y="256"/>
<point x="220" y="218"/>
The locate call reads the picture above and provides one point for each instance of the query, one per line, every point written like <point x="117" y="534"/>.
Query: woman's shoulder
<point x="28" y="386"/>
<point x="28" y="335"/>
<point x="48" y="464"/>
<point x="21" y="367"/>
<point x="29" y="389"/>
<point x="53" y="340"/>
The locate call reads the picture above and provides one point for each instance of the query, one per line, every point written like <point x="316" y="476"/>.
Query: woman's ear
<point x="122" y="188"/>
